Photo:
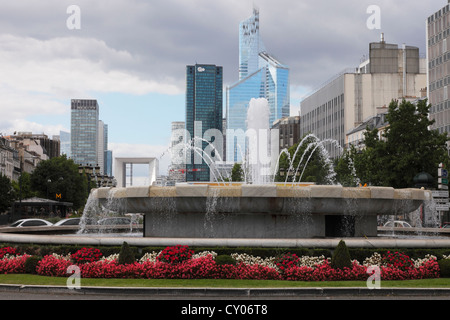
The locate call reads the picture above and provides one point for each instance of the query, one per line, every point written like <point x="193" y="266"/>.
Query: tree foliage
<point x="60" y="176"/>
<point x="309" y="164"/>
<point x="22" y="188"/>
<point x="237" y="174"/>
<point x="406" y="148"/>
<point x="6" y="193"/>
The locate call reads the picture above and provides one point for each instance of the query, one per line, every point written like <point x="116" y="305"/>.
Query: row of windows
<point x="438" y="14"/>
<point x="439" y="84"/>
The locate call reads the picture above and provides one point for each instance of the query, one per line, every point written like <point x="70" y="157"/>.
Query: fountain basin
<point x="262" y="211"/>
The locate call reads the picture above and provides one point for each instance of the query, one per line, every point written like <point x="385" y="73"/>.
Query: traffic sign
<point x="440" y="194"/>
<point x="443" y="173"/>
<point x="442" y="187"/>
<point x="442" y="180"/>
<point x="442" y="207"/>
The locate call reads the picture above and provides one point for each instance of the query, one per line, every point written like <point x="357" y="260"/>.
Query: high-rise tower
<point x="84" y="131"/>
<point x="204" y="108"/>
<point x="260" y="76"/>
<point x="438" y="56"/>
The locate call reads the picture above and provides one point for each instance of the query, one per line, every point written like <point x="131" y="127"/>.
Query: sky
<point x="131" y="56"/>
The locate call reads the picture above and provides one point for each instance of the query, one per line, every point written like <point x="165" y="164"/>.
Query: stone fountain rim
<point x="262" y="191"/>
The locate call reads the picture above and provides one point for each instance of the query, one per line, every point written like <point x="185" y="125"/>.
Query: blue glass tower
<point x="260" y="76"/>
<point x="204" y="113"/>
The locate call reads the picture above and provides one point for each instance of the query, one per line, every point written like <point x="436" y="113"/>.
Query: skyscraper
<point x="204" y="108"/>
<point x="260" y="76"/>
<point x="438" y="56"/>
<point x="250" y="45"/>
<point x="84" y="131"/>
<point x="64" y="137"/>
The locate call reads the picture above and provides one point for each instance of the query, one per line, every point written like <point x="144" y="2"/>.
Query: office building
<point x="177" y="168"/>
<point x="204" y="108"/>
<point x="261" y="75"/>
<point x="288" y="130"/>
<point x="438" y="58"/>
<point x="10" y="165"/>
<point x="356" y="94"/>
<point x="64" y="138"/>
<point x="84" y="132"/>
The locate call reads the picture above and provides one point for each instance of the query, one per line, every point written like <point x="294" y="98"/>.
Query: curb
<point x="230" y="292"/>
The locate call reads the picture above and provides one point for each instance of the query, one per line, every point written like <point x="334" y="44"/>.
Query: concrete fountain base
<point x="261" y="211"/>
<point x="202" y="242"/>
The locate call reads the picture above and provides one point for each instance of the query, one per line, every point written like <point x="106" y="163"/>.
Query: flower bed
<point x="181" y="263"/>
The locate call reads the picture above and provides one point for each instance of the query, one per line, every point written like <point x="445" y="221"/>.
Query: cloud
<point x="22" y="125"/>
<point x="39" y="77"/>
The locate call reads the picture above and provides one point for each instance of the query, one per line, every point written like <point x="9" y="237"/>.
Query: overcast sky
<point x="131" y="55"/>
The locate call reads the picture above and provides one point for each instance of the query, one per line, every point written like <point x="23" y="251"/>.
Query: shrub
<point x="341" y="257"/>
<point x="52" y="266"/>
<point x="126" y="255"/>
<point x="286" y="261"/>
<point x="444" y="266"/>
<point x="225" y="259"/>
<point x="86" y="255"/>
<point x="175" y="254"/>
<point x="7" y="251"/>
<point x="397" y="260"/>
<point x="13" y="264"/>
<point x="31" y="264"/>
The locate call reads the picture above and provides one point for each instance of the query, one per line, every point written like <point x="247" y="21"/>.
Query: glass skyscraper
<point x="204" y="108"/>
<point x="260" y="76"/>
<point x="84" y="131"/>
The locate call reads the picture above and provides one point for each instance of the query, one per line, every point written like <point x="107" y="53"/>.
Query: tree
<point x="341" y="257"/>
<point x="126" y="255"/>
<point x="22" y="188"/>
<point x="6" y="193"/>
<point x="60" y="177"/>
<point x="237" y="174"/>
<point x="345" y="169"/>
<point x="309" y="164"/>
<point x="407" y="147"/>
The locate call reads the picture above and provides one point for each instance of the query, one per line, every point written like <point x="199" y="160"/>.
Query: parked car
<point x="31" y="223"/>
<point x="114" y="221"/>
<point x="68" y="222"/>
<point x="397" y="224"/>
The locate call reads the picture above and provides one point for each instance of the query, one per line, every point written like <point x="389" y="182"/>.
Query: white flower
<point x="149" y="256"/>
<point x="204" y="254"/>
<point x="112" y="257"/>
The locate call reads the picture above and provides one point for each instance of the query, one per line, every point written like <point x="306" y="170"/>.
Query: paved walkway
<point x="240" y="293"/>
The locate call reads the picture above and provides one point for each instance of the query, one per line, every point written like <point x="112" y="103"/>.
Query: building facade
<point x="64" y="138"/>
<point x="204" y="116"/>
<point x="84" y="131"/>
<point x="9" y="160"/>
<point x="289" y="131"/>
<point x="438" y="58"/>
<point x="177" y="168"/>
<point x="261" y="75"/>
<point x="357" y="94"/>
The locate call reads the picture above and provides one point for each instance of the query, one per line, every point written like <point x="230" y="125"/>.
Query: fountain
<point x="262" y="211"/>
<point x="259" y="212"/>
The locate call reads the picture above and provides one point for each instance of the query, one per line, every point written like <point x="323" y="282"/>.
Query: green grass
<point x="27" y="279"/>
